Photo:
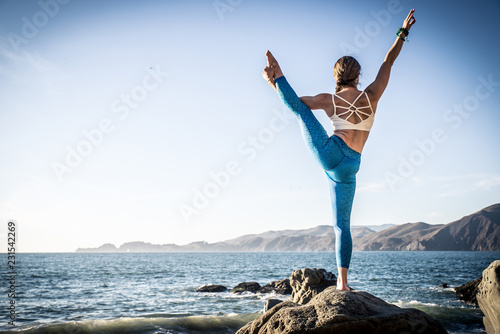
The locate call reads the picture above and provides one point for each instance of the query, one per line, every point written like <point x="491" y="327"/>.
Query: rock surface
<point x="334" y="311"/>
<point x="271" y="303"/>
<point x="308" y="282"/>
<point x="488" y="297"/>
<point x="246" y="287"/>
<point x="468" y="291"/>
<point x="211" y="288"/>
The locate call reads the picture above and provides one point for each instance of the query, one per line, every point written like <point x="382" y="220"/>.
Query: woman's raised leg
<point x="313" y="132"/>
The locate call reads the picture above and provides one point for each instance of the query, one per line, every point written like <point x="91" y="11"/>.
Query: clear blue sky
<point x="116" y="116"/>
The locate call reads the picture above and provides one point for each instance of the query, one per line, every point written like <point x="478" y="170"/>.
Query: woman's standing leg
<point x="342" y="182"/>
<point x="342" y="196"/>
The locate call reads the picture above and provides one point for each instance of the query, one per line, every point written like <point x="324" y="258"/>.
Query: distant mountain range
<point x="479" y="231"/>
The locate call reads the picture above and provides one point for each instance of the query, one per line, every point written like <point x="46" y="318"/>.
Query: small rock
<point x="271" y="303"/>
<point x="280" y="287"/>
<point x="467" y="292"/>
<point x="444" y="285"/>
<point x="211" y="288"/>
<point x="488" y="297"/>
<point x="246" y="287"/>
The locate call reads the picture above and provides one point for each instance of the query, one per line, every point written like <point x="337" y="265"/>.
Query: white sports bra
<point x="339" y="123"/>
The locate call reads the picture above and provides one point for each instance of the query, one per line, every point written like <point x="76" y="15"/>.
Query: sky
<point x="150" y="121"/>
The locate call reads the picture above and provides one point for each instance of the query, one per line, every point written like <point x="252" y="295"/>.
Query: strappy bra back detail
<point x="341" y="119"/>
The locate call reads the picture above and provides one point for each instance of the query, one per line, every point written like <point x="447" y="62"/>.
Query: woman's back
<point x="352" y="114"/>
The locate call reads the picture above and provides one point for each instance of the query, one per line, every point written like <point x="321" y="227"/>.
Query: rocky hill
<point x="479" y="231"/>
<point x="400" y="237"/>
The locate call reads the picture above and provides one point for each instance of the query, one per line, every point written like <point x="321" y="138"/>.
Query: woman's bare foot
<point x="342" y="279"/>
<point x="342" y="286"/>
<point x="273" y="64"/>
<point x="268" y="73"/>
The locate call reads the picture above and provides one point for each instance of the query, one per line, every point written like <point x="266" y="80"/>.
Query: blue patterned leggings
<point x="340" y="162"/>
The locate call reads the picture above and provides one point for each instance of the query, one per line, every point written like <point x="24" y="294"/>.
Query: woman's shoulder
<point x="324" y="96"/>
<point x="326" y="100"/>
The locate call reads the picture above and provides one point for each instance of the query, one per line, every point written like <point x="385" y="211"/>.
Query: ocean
<point x="155" y="292"/>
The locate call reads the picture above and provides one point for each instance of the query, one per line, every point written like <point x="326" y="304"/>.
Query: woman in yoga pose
<point x="352" y="114"/>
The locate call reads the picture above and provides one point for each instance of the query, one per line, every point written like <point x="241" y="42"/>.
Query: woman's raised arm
<point x="378" y="86"/>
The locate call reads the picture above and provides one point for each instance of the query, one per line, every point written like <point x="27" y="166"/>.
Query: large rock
<point x="488" y="297"/>
<point x="308" y="282"/>
<point x="335" y="311"/>
<point x="468" y="291"/>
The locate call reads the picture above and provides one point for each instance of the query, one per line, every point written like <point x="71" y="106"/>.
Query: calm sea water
<point x="155" y="292"/>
